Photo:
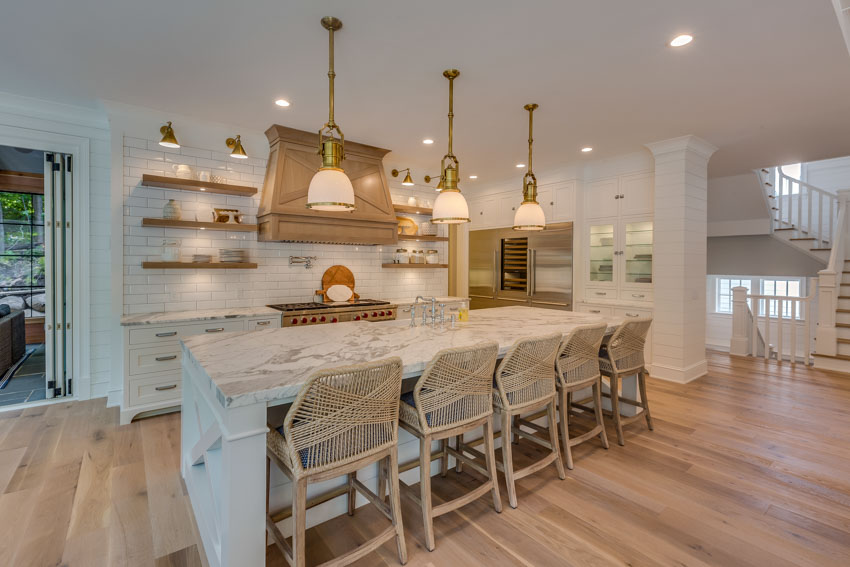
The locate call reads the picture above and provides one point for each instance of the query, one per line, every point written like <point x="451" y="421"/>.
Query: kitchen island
<point x="231" y="380"/>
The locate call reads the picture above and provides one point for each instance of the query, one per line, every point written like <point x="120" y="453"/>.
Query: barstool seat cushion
<point x="308" y="458"/>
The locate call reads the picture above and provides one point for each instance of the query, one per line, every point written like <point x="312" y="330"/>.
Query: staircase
<point x="803" y="215"/>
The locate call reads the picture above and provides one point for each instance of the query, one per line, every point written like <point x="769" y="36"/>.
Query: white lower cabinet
<point x="152" y="360"/>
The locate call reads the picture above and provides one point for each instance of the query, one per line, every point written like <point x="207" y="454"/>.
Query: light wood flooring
<point x="749" y="465"/>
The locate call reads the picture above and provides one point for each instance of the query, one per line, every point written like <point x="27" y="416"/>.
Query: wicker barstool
<point x="342" y="420"/>
<point x="620" y="357"/>
<point x="453" y="396"/>
<point x="577" y="368"/>
<point x="525" y="382"/>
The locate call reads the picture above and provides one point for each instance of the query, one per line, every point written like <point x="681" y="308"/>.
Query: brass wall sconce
<point x="235" y="146"/>
<point x="407" y="179"/>
<point x="430" y="178"/>
<point x="168" y="140"/>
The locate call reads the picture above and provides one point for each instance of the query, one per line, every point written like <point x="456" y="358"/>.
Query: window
<point x="22" y="252"/>
<point x="794" y="171"/>
<point x="723" y="297"/>
<point x="775" y="286"/>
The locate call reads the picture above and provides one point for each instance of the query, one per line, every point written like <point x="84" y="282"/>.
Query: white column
<point x="679" y="262"/>
<point x="741" y="321"/>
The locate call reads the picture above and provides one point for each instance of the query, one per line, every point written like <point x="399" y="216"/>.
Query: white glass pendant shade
<point x="529" y="216"/>
<point x="330" y="190"/>
<point x="450" y="208"/>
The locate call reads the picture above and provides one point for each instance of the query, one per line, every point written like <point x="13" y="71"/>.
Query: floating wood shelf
<point x="195" y="185"/>
<point x="423" y="238"/>
<point x="412" y="210"/>
<point x="403" y="266"/>
<point x="169" y="223"/>
<point x="199" y="265"/>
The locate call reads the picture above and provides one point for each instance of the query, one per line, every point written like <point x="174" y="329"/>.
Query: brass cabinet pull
<point x="216" y="330"/>
<point x="595" y="311"/>
<point x="638" y="295"/>
<point x="263" y="323"/>
<point x="164" y="358"/>
<point x="162" y="388"/>
<point x="168" y="334"/>
<point x="632" y="314"/>
<point x="601" y="293"/>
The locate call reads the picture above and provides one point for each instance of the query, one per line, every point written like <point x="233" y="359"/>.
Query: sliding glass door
<point x="58" y="200"/>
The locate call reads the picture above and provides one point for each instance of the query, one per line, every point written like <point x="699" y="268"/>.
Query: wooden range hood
<point x="282" y="215"/>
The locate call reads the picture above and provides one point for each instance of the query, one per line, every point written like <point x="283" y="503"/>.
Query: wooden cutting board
<point x="337" y="275"/>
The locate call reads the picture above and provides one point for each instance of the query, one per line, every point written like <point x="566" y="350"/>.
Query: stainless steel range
<point x="313" y="313"/>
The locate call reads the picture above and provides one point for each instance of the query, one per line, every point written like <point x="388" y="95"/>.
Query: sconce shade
<point x="236" y="149"/>
<point x="168" y="139"/>
<point x="407" y="180"/>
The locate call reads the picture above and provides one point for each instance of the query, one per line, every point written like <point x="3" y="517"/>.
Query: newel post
<point x="741" y="335"/>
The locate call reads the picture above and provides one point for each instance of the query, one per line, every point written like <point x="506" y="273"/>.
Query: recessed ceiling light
<point x="473" y="177"/>
<point x="681" y="40"/>
<point x="428" y="141"/>
<point x="282" y="102"/>
<point x="520" y="165"/>
<point x="587" y="149"/>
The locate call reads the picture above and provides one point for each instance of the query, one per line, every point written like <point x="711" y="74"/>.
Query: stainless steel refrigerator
<point x="508" y="267"/>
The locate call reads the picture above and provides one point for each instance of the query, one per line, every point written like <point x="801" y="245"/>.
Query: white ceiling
<point x="765" y="80"/>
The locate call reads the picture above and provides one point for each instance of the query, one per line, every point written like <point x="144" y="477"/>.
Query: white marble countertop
<point x="165" y="317"/>
<point x="272" y="365"/>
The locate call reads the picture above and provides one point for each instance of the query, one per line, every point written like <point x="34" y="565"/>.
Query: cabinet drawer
<point x="597" y="293"/>
<point x="594" y="309"/>
<point x="636" y="295"/>
<point x="155" y="389"/>
<point x="629" y="313"/>
<point x="154" y="359"/>
<point x="260" y="324"/>
<point x="173" y="333"/>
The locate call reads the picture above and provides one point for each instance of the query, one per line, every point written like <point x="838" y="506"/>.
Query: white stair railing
<point x="757" y="317"/>
<point x="829" y="281"/>
<point x="813" y="211"/>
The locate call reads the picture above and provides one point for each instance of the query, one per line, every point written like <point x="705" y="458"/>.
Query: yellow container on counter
<point x="463" y="311"/>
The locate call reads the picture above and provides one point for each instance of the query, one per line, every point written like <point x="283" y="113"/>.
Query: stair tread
<point x="843" y="325"/>
<point x="836" y="356"/>
<point x="804" y="238"/>
<point x="786" y="228"/>
<point x="820" y="249"/>
<point x="844" y="297"/>
<point x="842" y="310"/>
<point x="843" y="341"/>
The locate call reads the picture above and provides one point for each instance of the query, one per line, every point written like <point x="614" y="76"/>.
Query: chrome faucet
<point x="424" y="311"/>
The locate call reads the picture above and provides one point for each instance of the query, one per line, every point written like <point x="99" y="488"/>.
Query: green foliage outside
<point x="21" y="240"/>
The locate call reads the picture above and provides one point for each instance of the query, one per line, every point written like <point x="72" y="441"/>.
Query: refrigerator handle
<point x="495" y="270"/>
<point x="529" y="269"/>
<point x="532" y="269"/>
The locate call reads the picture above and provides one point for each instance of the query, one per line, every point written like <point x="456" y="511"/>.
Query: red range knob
<point x="389" y="313"/>
<point x="375" y="313"/>
<point x="295" y="321"/>
<point x="365" y="315"/>
<point x="303" y="319"/>
<point x="382" y="313"/>
<point x="357" y="317"/>
<point x="313" y="319"/>
<point x="333" y="320"/>
<point x="322" y="318"/>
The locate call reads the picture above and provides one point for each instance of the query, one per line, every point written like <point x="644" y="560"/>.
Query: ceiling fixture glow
<point x="587" y="149"/>
<point x="408" y="181"/>
<point x="681" y="40"/>
<point x="450" y="206"/>
<point x="529" y="215"/>
<point x="427" y="141"/>
<point x="168" y="139"/>
<point x="519" y="165"/>
<point x="282" y="102"/>
<point x="236" y="149"/>
<point x="473" y="177"/>
<point x="331" y="189"/>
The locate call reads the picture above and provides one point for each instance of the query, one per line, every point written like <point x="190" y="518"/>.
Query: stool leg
<point x="352" y="492"/>
<point x="553" y="439"/>
<point x="425" y="490"/>
<point x="597" y="409"/>
<point x="268" y="482"/>
<point x="569" y="407"/>
<point x="615" y="407"/>
<point x="299" y="522"/>
<point x="643" y="398"/>
<point x="507" y="458"/>
<point x="444" y="462"/>
<point x="490" y="455"/>
<point x="382" y="479"/>
<point x="458" y="445"/>
<point x="514" y="436"/>
<point x="395" y="506"/>
<point x="564" y="415"/>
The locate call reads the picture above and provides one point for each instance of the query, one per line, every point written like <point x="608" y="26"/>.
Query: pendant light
<point x="331" y="189"/>
<point x="450" y="206"/>
<point x="529" y="215"/>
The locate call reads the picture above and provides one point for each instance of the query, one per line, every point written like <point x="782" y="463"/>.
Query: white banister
<point x="752" y="328"/>
<point x="809" y="209"/>
<point x="829" y="281"/>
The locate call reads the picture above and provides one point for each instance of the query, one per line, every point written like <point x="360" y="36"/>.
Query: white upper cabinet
<point x="564" y="207"/>
<point x="615" y="196"/>
<point x="558" y="201"/>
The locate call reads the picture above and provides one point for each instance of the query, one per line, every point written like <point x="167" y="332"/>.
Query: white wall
<point x="736" y="206"/>
<point x="87" y="128"/>
<point x="829" y="174"/>
<point x="761" y="255"/>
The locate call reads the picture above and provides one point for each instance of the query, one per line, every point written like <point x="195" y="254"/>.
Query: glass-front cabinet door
<point x="637" y="252"/>
<point x="601" y="258"/>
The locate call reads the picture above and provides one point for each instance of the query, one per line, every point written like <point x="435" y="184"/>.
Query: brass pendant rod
<point x="331" y="75"/>
<point x="451" y="112"/>
<point x="529" y="181"/>
<point x="530" y="136"/>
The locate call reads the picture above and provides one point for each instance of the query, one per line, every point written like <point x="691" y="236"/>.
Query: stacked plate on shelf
<point x="201" y="258"/>
<point x="231" y="255"/>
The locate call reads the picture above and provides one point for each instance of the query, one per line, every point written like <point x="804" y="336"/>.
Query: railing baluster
<point x="809" y="207"/>
<point x="779" y="330"/>
<point x="777" y="186"/>
<point x="799" y="207"/>
<point x="754" y="329"/>
<point x="766" y="330"/>
<point x="831" y="220"/>
<point x="808" y="315"/>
